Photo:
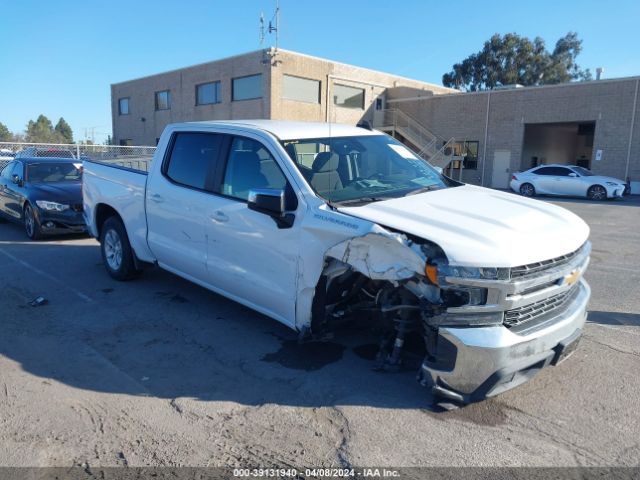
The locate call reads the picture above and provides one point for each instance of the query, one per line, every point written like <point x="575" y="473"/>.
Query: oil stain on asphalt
<point x="305" y="356"/>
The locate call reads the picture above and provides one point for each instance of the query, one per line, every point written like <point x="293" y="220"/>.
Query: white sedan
<point x="567" y="180"/>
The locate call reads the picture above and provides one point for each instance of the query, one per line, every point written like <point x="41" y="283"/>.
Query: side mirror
<point x="271" y="202"/>
<point x="574" y="175"/>
<point x="16" y="179"/>
<point x="267" y="200"/>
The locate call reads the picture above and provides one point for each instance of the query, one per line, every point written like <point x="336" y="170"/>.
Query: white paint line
<point x="28" y="266"/>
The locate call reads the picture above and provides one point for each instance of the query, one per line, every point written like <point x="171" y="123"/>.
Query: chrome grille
<point x="539" y="310"/>
<point x="532" y="269"/>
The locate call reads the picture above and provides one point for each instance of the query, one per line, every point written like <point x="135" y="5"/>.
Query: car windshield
<point x="52" y="172"/>
<point x="583" y="172"/>
<point x="362" y="168"/>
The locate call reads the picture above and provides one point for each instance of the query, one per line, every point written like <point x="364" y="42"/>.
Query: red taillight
<point x="513" y="177"/>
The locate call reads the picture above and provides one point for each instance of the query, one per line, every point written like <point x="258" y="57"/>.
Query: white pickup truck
<point x="314" y="224"/>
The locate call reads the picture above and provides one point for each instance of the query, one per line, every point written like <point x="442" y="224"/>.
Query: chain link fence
<point x="134" y="157"/>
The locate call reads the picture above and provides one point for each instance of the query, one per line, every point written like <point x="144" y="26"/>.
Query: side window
<point x="192" y="157"/>
<point x="6" y="171"/>
<point x="563" y="172"/>
<point x="250" y="165"/>
<point x="544" y="171"/>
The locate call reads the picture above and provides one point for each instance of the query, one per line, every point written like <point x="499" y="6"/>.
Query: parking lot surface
<point x="161" y="372"/>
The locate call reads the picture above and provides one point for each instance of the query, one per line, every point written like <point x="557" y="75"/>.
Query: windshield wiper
<point x="360" y="201"/>
<point x="423" y="189"/>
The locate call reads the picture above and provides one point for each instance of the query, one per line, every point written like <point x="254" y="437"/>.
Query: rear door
<point x="545" y="180"/>
<point x="178" y="202"/>
<point x="249" y="257"/>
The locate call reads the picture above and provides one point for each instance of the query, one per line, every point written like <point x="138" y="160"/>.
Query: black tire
<point x="527" y="190"/>
<point x="31" y="223"/>
<point x="597" y="192"/>
<point x="117" y="254"/>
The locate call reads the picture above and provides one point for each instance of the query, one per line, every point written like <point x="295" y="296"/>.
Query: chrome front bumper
<point x="490" y="360"/>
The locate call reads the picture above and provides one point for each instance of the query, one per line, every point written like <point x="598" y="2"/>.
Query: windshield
<point x="583" y="172"/>
<point x="366" y="168"/>
<point x="54" y="172"/>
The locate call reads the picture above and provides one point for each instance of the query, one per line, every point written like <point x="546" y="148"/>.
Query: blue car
<point x="44" y="194"/>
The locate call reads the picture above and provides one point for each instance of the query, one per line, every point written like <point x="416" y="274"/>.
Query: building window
<point x="300" y="89"/>
<point x="378" y="103"/>
<point x="208" y="93"/>
<point x="163" y="100"/>
<point x="123" y="106"/>
<point x="126" y="142"/>
<point x="468" y="150"/>
<point x="348" y="97"/>
<point x="246" y="88"/>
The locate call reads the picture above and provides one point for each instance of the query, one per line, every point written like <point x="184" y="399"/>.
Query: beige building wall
<point x="608" y="103"/>
<point x="273" y="66"/>
<point x="182" y="84"/>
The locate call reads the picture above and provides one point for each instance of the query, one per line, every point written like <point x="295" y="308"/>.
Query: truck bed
<point x="122" y="188"/>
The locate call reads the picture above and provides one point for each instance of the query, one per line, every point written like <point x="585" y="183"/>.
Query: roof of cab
<point x="286" y="130"/>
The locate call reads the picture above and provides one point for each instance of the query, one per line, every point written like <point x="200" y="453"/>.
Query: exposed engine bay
<point x="388" y="284"/>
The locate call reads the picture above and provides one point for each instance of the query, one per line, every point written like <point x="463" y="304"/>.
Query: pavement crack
<point x="175" y="406"/>
<point x="611" y="347"/>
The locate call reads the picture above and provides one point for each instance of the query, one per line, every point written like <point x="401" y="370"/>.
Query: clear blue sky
<point x="59" y="57"/>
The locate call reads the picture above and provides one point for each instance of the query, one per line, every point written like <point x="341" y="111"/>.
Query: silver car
<point x="566" y="180"/>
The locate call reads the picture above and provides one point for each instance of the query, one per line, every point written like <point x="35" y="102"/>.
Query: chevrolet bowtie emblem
<point x="572" y="277"/>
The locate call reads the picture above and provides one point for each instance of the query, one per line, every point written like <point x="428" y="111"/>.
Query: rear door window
<point x="193" y="159"/>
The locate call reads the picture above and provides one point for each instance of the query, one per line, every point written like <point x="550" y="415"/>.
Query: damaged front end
<point x="398" y="285"/>
<point x="484" y="330"/>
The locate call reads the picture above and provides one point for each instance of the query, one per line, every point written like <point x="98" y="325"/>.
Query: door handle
<point x="219" y="216"/>
<point x="156" y="198"/>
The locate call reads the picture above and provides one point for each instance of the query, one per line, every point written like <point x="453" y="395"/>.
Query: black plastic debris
<point x="38" y="302"/>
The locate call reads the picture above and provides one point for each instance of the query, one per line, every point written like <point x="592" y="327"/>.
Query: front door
<point x="501" y="164"/>
<point x="249" y="257"/>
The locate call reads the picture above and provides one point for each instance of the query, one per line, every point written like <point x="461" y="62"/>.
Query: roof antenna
<point x="261" y="35"/>
<point x="274" y="24"/>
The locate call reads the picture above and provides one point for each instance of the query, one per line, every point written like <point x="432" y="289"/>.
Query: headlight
<point x="612" y="184"/>
<point x="473" y="272"/>
<point x="58" y="207"/>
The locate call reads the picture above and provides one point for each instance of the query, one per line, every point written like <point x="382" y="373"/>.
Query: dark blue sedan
<point x="44" y="194"/>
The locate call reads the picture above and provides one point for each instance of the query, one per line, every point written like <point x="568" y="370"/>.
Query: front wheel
<point x="527" y="190"/>
<point x="117" y="253"/>
<point x="31" y="224"/>
<point x="597" y="192"/>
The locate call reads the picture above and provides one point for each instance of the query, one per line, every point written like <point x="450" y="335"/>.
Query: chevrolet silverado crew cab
<point x="314" y="224"/>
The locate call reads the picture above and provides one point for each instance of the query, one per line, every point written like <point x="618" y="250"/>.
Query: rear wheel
<point x="527" y="190"/>
<point x="117" y="253"/>
<point x="31" y="224"/>
<point x="597" y="192"/>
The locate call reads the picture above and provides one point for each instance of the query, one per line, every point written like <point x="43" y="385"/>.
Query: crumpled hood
<point x="61" y="192"/>
<point x="480" y="227"/>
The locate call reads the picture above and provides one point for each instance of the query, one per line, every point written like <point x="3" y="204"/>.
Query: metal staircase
<point x="437" y="150"/>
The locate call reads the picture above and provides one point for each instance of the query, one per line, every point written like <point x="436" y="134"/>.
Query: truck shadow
<point x="165" y="337"/>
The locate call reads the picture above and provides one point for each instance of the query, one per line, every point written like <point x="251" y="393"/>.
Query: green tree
<point x="5" y="133"/>
<point x="41" y="131"/>
<point x="511" y="59"/>
<point x="64" y="131"/>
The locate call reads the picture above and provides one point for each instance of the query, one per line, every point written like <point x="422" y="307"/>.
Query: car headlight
<point x="473" y="272"/>
<point x="45" y="205"/>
